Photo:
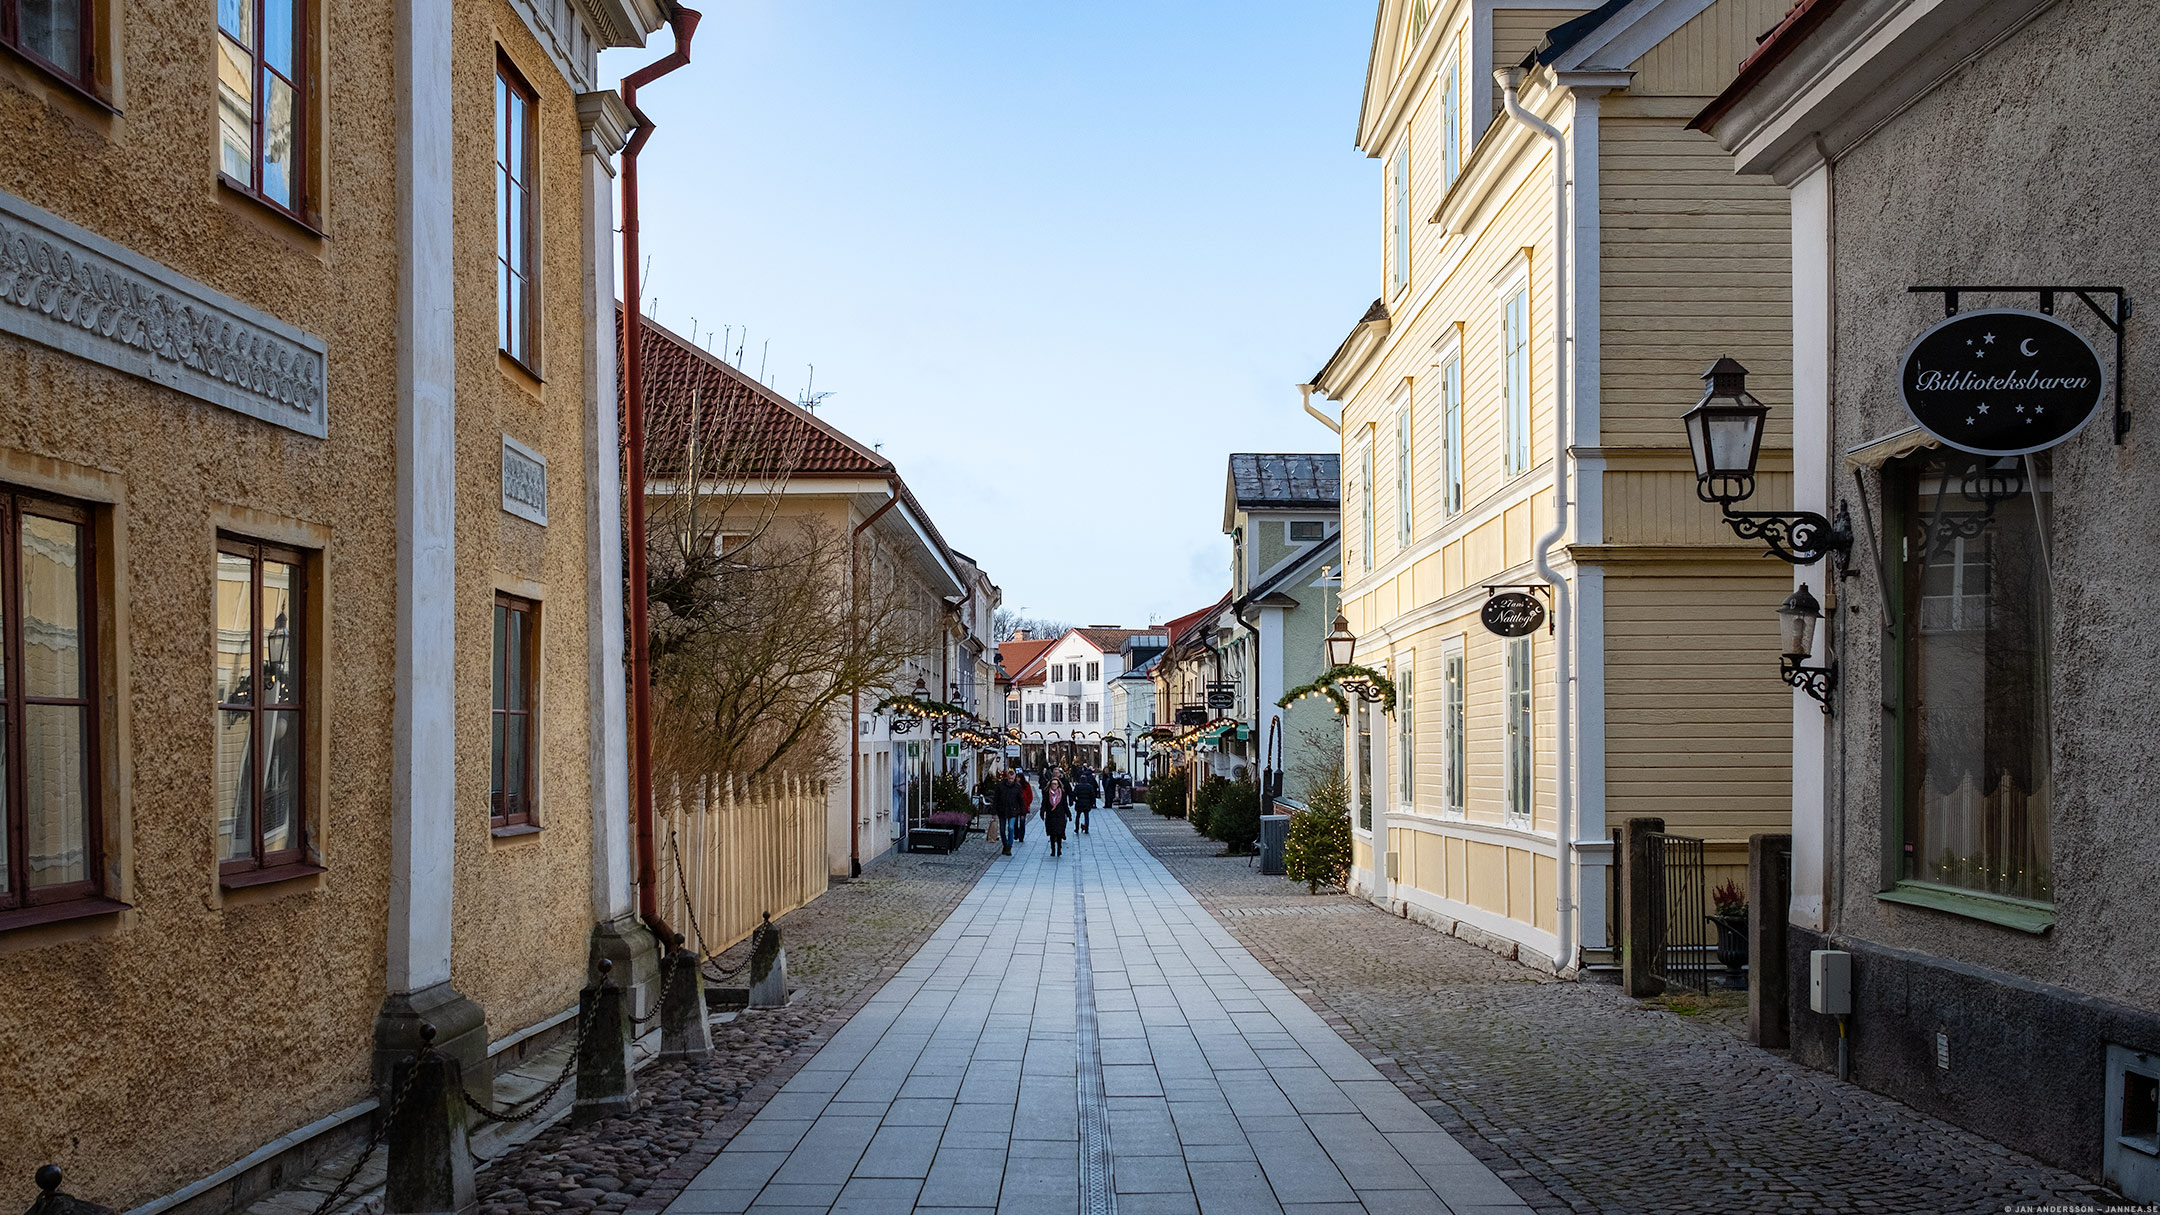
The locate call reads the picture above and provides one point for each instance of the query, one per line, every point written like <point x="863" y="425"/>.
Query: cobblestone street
<point x="1582" y="1099"/>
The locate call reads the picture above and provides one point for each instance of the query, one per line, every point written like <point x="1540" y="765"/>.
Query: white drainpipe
<point x="1563" y="621"/>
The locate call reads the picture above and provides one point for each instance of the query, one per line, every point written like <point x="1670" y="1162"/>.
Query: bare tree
<point x="757" y="637"/>
<point x="1010" y="622"/>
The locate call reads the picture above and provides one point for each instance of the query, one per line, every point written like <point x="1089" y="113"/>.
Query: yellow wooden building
<point x="1484" y="804"/>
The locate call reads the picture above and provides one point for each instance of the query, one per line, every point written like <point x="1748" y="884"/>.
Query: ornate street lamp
<point x="1725" y="438"/>
<point x="1797" y="618"/>
<point x="1341" y="643"/>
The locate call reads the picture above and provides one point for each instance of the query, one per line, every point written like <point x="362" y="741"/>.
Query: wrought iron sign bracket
<point x="2115" y="321"/>
<point x="1552" y="625"/>
<point x="1817" y="682"/>
<point x="1798" y="537"/>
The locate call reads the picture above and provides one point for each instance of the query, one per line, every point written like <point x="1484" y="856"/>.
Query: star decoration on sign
<point x="1983" y="408"/>
<point x="1988" y="338"/>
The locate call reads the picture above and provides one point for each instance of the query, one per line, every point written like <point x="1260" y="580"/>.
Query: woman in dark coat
<point x="1057" y="804"/>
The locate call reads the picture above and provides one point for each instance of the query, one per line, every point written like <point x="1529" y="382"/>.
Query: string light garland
<point x="1331" y="684"/>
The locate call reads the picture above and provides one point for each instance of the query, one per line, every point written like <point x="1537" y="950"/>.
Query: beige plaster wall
<point x="145" y="1049"/>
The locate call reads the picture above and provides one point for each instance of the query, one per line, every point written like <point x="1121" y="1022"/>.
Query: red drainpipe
<point x="854" y="784"/>
<point x="684" y="22"/>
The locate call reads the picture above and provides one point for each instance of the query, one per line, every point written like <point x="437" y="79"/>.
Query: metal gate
<point x="1681" y="944"/>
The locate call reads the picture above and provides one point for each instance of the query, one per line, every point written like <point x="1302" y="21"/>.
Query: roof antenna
<point x="810" y="400"/>
<point x="762" y="356"/>
<point x="693" y="331"/>
<point x="652" y="309"/>
<point x="740" y="342"/>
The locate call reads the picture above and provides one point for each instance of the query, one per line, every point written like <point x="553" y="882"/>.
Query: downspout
<point x="1511" y="80"/>
<point x="1259" y="727"/>
<point x="854" y="783"/>
<point x="684" y="21"/>
<point x="1305" y="392"/>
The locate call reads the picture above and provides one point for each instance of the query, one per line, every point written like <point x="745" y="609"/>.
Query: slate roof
<point x="1286" y="481"/>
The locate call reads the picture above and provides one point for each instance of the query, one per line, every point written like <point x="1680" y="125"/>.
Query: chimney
<point x="1019" y="635"/>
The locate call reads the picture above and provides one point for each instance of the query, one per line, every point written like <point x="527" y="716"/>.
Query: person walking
<point x="1027" y="807"/>
<point x="1057" y="803"/>
<point x="1085" y="790"/>
<point x="1009" y="805"/>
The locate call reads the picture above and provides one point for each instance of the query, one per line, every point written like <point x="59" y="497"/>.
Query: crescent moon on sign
<point x="2022" y="348"/>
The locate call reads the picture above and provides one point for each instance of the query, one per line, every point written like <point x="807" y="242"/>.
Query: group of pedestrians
<point x="1066" y="800"/>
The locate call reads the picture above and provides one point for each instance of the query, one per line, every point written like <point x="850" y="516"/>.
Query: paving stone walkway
<point x="1081" y="1035"/>
<point x="1586" y="1101"/>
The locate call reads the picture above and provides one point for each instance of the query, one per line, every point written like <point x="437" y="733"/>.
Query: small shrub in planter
<point x="1731" y="918"/>
<point x="1166" y="795"/>
<point x="1317" y="849"/>
<point x="949" y="796"/>
<point x="1212" y="791"/>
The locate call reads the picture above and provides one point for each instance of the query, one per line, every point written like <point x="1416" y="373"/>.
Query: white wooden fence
<point x="731" y="850"/>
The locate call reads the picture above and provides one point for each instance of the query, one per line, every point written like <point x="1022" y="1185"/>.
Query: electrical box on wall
<point x="1394" y="866"/>
<point x="1830" y="982"/>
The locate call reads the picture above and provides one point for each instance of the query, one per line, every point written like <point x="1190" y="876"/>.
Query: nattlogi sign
<point x="1513" y="614"/>
<point x="1221" y="700"/>
<point x="2002" y="381"/>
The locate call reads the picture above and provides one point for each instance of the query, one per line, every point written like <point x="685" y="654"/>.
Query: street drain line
<point x="1097" y="1195"/>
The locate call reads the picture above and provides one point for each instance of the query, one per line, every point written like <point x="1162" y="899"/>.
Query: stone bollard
<point x="684" y="1031"/>
<point x="1769" y="1009"/>
<point x="606" y="1082"/>
<point x="50" y="1201"/>
<point x="431" y="1169"/>
<point x="1641" y="903"/>
<point x="768" y="966"/>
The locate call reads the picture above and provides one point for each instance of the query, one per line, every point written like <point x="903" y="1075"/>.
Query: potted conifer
<point x="1731" y="919"/>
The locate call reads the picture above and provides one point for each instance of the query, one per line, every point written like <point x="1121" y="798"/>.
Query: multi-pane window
<point x="262" y="98"/>
<point x="1451" y="454"/>
<point x="1406" y="736"/>
<point x="1359" y="710"/>
<point x="1403" y="473"/>
<point x="1308" y="531"/>
<point x="50" y="841"/>
<point x="1365" y="498"/>
<point x="1057" y="672"/>
<point x="1521" y="771"/>
<point x="1974" y="758"/>
<point x="517" y="152"/>
<point x="1012" y="714"/>
<point x="1454" y="728"/>
<point x="1399" y="194"/>
<point x="517" y="658"/>
<point x="259" y="655"/>
<point x="1094" y="671"/>
<point x="1451" y="122"/>
<point x="1515" y="380"/>
<point x="1094" y="711"/>
<point x="53" y="33"/>
<point x="1057" y="711"/>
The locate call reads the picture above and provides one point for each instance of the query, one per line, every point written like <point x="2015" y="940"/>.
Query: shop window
<point x="1454" y="726"/>
<point x="517" y="154"/>
<point x="263" y="136"/>
<point x="259" y="655"/>
<point x="1365" y="772"/>
<point x="1973" y="750"/>
<point x="1519" y="753"/>
<point x="51" y="845"/>
<point x="517" y="671"/>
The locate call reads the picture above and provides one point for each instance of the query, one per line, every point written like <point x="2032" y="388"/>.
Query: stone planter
<point x="1732" y="940"/>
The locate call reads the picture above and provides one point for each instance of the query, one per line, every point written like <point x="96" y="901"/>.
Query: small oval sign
<point x="2002" y="381"/>
<point x="1514" y="614"/>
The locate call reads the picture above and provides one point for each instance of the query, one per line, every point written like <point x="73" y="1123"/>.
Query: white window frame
<point x="1406" y="731"/>
<point x="1405" y="463"/>
<point x="1517" y="451"/>
<point x="1399" y="214"/>
<point x="1454" y="729"/>
<point x="1365" y="496"/>
<point x="1518" y="744"/>
<point x="1451" y="120"/>
<point x="1449" y="373"/>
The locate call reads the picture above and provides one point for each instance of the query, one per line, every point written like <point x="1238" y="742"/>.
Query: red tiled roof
<point x="1017" y="656"/>
<point x="744" y="428"/>
<point x="1182" y="625"/>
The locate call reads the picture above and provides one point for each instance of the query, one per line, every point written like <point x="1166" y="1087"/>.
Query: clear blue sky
<point x="1058" y="259"/>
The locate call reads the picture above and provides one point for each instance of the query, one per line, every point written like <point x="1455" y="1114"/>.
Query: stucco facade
<point x="1992" y="160"/>
<point x="356" y="331"/>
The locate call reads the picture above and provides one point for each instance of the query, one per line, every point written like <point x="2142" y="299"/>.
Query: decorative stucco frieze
<point x="65" y="287"/>
<point x="524" y="481"/>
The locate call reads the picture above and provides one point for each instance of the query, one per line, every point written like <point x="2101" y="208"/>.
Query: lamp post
<point x="1724" y="432"/>
<point x="1797" y="618"/>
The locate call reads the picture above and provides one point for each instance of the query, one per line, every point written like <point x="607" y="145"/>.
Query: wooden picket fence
<point x="732" y="850"/>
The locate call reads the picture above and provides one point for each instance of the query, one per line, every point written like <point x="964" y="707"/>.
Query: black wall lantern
<point x="1725" y="438"/>
<point x="1797" y="618"/>
<point x="1341" y="649"/>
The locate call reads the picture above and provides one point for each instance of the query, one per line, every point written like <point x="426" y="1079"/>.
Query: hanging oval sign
<point x="1514" y="614"/>
<point x="2002" y="381"/>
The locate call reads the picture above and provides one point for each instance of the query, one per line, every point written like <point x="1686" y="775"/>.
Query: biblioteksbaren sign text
<point x="2002" y="381"/>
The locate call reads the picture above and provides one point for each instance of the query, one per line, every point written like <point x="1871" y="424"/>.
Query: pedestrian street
<point x="1080" y="1035"/>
